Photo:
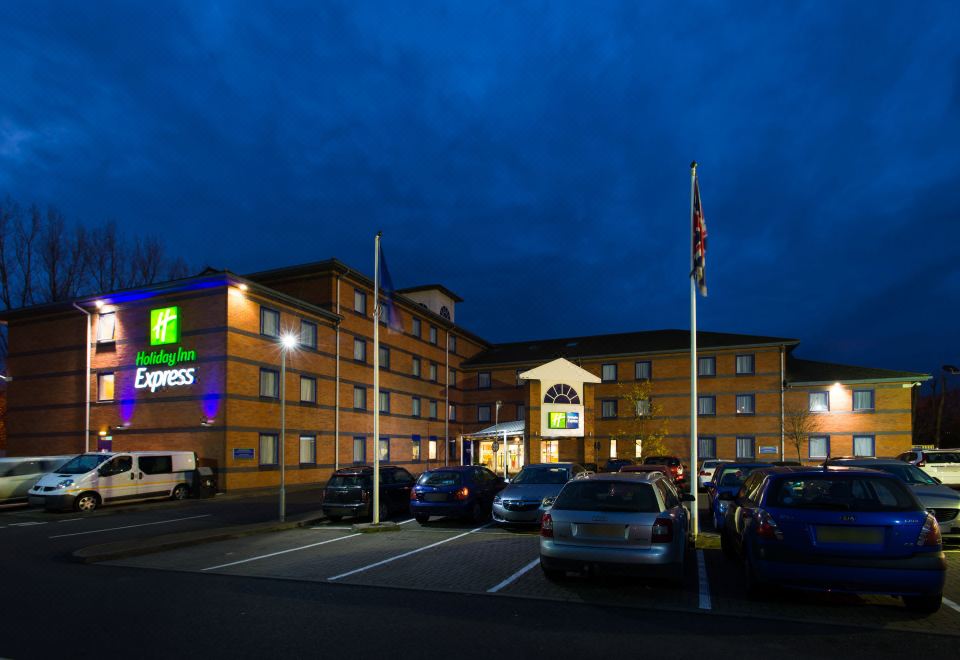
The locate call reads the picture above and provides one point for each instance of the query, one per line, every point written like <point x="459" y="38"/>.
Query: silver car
<point x="521" y="501"/>
<point x="618" y="522"/>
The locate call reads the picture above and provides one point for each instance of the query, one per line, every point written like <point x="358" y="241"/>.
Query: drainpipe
<point x="86" y="425"/>
<point x="782" y="360"/>
<point x="446" y="400"/>
<point x="336" y="399"/>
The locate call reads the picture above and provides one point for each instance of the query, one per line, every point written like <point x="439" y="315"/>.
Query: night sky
<point x="533" y="157"/>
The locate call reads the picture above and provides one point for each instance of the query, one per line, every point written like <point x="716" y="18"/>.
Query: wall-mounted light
<point x="242" y="286"/>
<point x="99" y="304"/>
<point x="102" y="434"/>
<point x="207" y="421"/>
<point x="122" y="427"/>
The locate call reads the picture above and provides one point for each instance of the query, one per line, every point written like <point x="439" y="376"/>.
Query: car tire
<point x="925" y="604"/>
<point x="422" y="518"/>
<point x="180" y="493"/>
<point x="727" y="546"/>
<point x="334" y="518"/>
<point x="553" y="574"/>
<point x="478" y="513"/>
<point x="86" y="502"/>
<point x="756" y="589"/>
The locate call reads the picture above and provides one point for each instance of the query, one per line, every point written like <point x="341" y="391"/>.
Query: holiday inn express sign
<point x="164" y="329"/>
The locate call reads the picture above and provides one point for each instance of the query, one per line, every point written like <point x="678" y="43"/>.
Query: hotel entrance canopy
<point x="497" y="431"/>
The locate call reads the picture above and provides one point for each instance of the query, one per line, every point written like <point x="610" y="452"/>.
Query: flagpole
<point x="693" y="471"/>
<point x="376" y="381"/>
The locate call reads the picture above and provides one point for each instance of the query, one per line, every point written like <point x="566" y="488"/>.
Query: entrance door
<point x="117" y="479"/>
<point x="468" y="452"/>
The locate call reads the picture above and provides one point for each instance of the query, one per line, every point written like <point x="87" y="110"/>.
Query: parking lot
<point x="448" y="556"/>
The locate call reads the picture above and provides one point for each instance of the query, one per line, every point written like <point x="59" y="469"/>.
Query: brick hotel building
<point x="195" y="364"/>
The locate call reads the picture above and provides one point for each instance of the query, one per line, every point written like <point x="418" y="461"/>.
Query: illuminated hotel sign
<point x="563" y="420"/>
<point x="164" y="329"/>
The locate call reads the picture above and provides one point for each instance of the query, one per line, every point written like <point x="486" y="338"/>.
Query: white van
<point x="89" y="480"/>
<point x="17" y="475"/>
<point x="942" y="464"/>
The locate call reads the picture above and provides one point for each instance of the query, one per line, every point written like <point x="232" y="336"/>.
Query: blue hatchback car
<point x="727" y="478"/>
<point x="464" y="491"/>
<point x="843" y="529"/>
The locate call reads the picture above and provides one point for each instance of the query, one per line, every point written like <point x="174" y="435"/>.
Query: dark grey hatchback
<point x="349" y="492"/>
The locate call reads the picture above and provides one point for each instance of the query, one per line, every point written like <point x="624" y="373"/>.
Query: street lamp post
<point x="287" y="343"/>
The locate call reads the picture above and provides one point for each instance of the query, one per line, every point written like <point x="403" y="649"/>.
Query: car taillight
<point x="921" y="463"/>
<point x="767" y="527"/>
<point x="462" y="494"/>
<point x="930" y="534"/>
<point x="365" y="497"/>
<point x="662" y="531"/>
<point x="413" y="494"/>
<point x="703" y="473"/>
<point x="679" y="469"/>
<point x="546" y="526"/>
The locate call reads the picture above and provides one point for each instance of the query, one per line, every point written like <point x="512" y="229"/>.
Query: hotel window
<point x="746" y="447"/>
<point x="643" y="407"/>
<point x="415" y="406"/>
<point x="745" y="404"/>
<point x="452" y="449"/>
<point x="549" y="452"/>
<point x="608" y="408"/>
<point x="415" y="368"/>
<point x="415" y="448"/>
<point x="269" y="383"/>
<point x="483" y="380"/>
<point x="308" y="334"/>
<point x="384" y="357"/>
<point x="864" y="445"/>
<point x="106" y="326"/>
<point x="359" y="350"/>
<point x="483" y="413"/>
<point x="359" y="397"/>
<point x="706" y="447"/>
<point x="432" y="448"/>
<point x="268" y="449"/>
<point x="308" y="450"/>
<point x="819" y="401"/>
<point x="521" y="412"/>
<point x="360" y="302"/>
<point x="638" y="448"/>
<point x="706" y="405"/>
<point x="433" y="372"/>
<point x="613" y="447"/>
<point x="433" y="409"/>
<point x="415" y="330"/>
<point x="452" y="343"/>
<point x="384" y="448"/>
<point x="863" y="400"/>
<point x="608" y="373"/>
<point x="452" y="414"/>
<point x="745" y="364"/>
<point x="433" y="335"/>
<point x="104" y="387"/>
<point x="452" y="378"/>
<point x="642" y="370"/>
<point x="385" y="402"/>
<point x="308" y="389"/>
<point x="360" y="449"/>
<point x="707" y="366"/>
<point x="818" y="446"/>
<point x="269" y="322"/>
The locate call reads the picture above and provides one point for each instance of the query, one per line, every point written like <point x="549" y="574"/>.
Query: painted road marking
<point x="282" y="552"/>
<point x="110" y="529"/>
<point x="70" y="520"/>
<point x="404" y="522"/>
<point x="27" y="524"/>
<point x="493" y="590"/>
<point x="704" y="582"/>
<point x="406" y="554"/>
<point x="949" y="603"/>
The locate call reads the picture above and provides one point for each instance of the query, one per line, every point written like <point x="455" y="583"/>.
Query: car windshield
<point x="733" y="476"/>
<point x="662" y="460"/>
<point x="842" y="493"/>
<point x="607" y="496"/>
<point x="442" y="478"/>
<point x="909" y="473"/>
<point x="542" y="475"/>
<point x="349" y="481"/>
<point x="942" y="457"/>
<point x="83" y="463"/>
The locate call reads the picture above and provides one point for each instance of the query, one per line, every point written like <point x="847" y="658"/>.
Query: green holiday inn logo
<point x="164" y="326"/>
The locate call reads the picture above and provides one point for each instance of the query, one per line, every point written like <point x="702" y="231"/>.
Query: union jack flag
<point x="699" y="272"/>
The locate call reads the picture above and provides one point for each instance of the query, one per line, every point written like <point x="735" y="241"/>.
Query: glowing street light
<point x="287" y="343"/>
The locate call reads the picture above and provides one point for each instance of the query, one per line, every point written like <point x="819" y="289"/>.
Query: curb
<point x="123" y="549"/>
<point x="370" y="528"/>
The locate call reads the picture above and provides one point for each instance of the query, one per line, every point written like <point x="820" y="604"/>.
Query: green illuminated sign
<point x="164" y="326"/>
<point x="557" y="420"/>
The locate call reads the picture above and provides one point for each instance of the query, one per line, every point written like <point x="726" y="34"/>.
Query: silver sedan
<point x="618" y="522"/>
<point x="520" y="502"/>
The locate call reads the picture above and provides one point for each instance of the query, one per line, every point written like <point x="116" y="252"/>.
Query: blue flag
<point x="389" y="312"/>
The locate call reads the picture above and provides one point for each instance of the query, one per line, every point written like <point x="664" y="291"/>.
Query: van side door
<point x="155" y="476"/>
<point x="117" y="479"/>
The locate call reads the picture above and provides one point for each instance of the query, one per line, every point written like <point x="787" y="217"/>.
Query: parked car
<point x="89" y="480"/>
<point x="728" y="478"/>
<point x="349" y="492"/>
<point x="942" y="500"/>
<point x="738" y="510"/>
<point x="944" y="464"/>
<point x="18" y="475"/>
<point x="614" y="464"/>
<point x="707" y="469"/>
<point x="678" y="471"/>
<point x="658" y="469"/>
<point x="843" y="529"/>
<point x="620" y="522"/>
<point x="521" y="501"/>
<point x="786" y="463"/>
<point x="465" y="491"/>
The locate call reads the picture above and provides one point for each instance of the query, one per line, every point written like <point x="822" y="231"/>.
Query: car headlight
<point x="497" y="499"/>
<point x="66" y="483"/>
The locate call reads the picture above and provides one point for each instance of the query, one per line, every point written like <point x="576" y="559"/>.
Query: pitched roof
<point x="811" y="372"/>
<point x="626" y="343"/>
<point x="432" y="287"/>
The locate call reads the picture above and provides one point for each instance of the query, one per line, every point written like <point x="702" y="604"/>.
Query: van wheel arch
<point x="181" y="492"/>
<point x="87" y="502"/>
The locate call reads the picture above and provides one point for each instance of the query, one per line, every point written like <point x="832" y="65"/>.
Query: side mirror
<point x="727" y="496"/>
<point x="687" y="497"/>
<point x="709" y="485"/>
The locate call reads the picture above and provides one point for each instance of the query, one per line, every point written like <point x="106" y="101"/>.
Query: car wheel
<point x="726" y="544"/>
<point x="478" y="513"/>
<point x="925" y="604"/>
<point x="180" y="493"/>
<point x="553" y="574"/>
<point x="334" y="519"/>
<point x="86" y="502"/>
<point x="384" y="511"/>
<point x="422" y="518"/>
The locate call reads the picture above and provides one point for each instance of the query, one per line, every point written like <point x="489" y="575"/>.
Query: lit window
<point x="707" y="405"/>
<point x="608" y="373"/>
<point x="483" y="380"/>
<point x="268" y="449"/>
<point x="106" y="326"/>
<point x="864" y="445"/>
<point x="643" y="407"/>
<point x="863" y="400"/>
<point x="613" y="447"/>
<point x="642" y="370"/>
<point x="745" y="364"/>
<point x="483" y="413"/>
<point x="360" y="302"/>
<point x="415" y="448"/>
<point x="359" y="397"/>
<point x="707" y="366"/>
<point x="269" y="322"/>
<point x="269" y="383"/>
<point x="308" y="389"/>
<point x="745" y="404"/>
<point x="819" y="446"/>
<point x="105" y="387"/>
<point x="359" y="350"/>
<point x="359" y="449"/>
<point x="746" y="447"/>
<point x="608" y="408"/>
<point x="384" y="402"/>
<point x="308" y="334"/>
<point x="432" y="448"/>
<point x="819" y="401"/>
<point x="706" y="447"/>
<point x="415" y="407"/>
<point x="308" y="449"/>
<point x="383" y="448"/>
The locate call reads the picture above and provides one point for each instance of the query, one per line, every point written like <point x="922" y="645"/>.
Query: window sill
<point x="308" y="404"/>
<point x="268" y="468"/>
<point x="264" y="397"/>
<point x="305" y="466"/>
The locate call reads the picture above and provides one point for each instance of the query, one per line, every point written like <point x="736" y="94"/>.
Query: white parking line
<point x="70" y="520"/>
<point x="110" y="529"/>
<point x="404" y="522"/>
<point x="493" y="590"/>
<point x="28" y="524"/>
<point x="704" y="582"/>
<point x="282" y="552"/>
<point x="949" y="603"/>
<point x="405" y="554"/>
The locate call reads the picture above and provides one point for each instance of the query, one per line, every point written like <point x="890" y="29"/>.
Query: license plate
<point x="435" y="497"/>
<point x="601" y="531"/>
<point x="855" y="535"/>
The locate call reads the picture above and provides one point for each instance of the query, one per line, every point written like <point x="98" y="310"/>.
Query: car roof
<point x="454" y="468"/>
<point x="359" y="469"/>
<point x="560" y="464"/>
<point x="626" y="476"/>
<point x="853" y="470"/>
<point x="864" y="461"/>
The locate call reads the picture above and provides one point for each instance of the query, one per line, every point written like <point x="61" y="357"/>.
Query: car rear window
<point x="607" y="496"/>
<point x="842" y="493"/>
<point x="350" y="481"/>
<point x="542" y="475"/>
<point x="442" y="478"/>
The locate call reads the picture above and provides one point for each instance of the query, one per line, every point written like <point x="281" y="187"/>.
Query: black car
<point x="614" y="464"/>
<point x="349" y="492"/>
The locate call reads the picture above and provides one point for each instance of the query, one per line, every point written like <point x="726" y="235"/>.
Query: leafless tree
<point x="105" y="258"/>
<point x="798" y="425"/>
<point x="62" y="253"/>
<point x="147" y="260"/>
<point x="27" y="233"/>
<point x="9" y="212"/>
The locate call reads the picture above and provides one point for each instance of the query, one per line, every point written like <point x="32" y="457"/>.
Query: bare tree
<point x="62" y="253"/>
<point x="27" y="233"/>
<point x="9" y="214"/>
<point x="798" y="425"/>
<point x="178" y="269"/>
<point x="104" y="259"/>
<point x="644" y="422"/>
<point x="147" y="260"/>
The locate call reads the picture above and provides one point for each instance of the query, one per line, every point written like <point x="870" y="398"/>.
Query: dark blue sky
<point x="530" y="156"/>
